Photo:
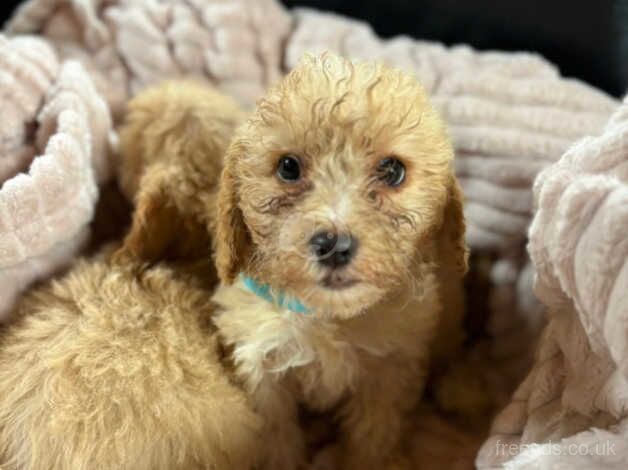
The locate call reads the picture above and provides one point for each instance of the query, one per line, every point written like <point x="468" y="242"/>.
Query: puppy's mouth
<point x="337" y="281"/>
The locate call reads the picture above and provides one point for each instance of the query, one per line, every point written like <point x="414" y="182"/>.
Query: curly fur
<point x="111" y="369"/>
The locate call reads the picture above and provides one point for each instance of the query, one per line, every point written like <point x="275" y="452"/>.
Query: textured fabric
<point x="579" y="245"/>
<point x="510" y="117"/>
<point x="128" y="44"/>
<point x="27" y="69"/>
<point x="57" y="115"/>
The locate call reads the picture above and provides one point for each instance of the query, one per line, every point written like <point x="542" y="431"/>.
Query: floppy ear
<point x="172" y="145"/>
<point x="452" y="244"/>
<point x="232" y="239"/>
<point x="161" y="228"/>
<point x="453" y="264"/>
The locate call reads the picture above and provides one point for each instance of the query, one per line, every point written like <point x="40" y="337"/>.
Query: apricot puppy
<point x="340" y="246"/>
<point x="116" y="365"/>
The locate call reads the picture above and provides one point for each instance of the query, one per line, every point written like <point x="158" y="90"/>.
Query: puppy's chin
<point x="343" y="300"/>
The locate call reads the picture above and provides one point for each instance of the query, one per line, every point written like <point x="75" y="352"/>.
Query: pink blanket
<point x="571" y="410"/>
<point x="510" y="115"/>
<point x="50" y="110"/>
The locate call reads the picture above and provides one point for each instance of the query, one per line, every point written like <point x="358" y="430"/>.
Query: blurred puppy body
<point x="116" y="365"/>
<point x="340" y="244"/>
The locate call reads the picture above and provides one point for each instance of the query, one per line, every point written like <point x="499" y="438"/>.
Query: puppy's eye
<point x="391" y="171"/>
<point x="289" y="169"/>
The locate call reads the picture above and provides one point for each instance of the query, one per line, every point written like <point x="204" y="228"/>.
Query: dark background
<point x="587" y="39"/>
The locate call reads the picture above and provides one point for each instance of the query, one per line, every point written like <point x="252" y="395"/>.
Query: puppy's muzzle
<point x="333" y="250"/>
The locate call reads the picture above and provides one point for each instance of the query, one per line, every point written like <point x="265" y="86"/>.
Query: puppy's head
<point x="339" y="188"/>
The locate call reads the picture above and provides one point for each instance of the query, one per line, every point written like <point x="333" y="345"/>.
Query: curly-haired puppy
<point x="116" y="366"/>
<point x="340" y="246"/>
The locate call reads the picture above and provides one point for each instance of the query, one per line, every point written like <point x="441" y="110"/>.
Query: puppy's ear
<point x="160" y="228"/>
<point x="172" y="145"/>
<point x="452" y="243"/>
<point x="232" y="239"/>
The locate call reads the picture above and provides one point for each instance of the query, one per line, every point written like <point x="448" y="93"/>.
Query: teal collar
<point x="265" y="292"/>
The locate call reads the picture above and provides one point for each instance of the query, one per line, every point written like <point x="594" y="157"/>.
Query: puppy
<point x="340" y="246"/>
<point x="117" y="365"/>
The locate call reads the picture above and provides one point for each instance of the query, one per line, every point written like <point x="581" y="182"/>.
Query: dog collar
<point x="264" y="291"/>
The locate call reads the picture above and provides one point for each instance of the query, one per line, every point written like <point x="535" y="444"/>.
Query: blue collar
<point x="264" y="291"/>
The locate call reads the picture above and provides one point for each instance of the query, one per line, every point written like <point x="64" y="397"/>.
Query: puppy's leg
<point x="373" y="419"/>
<point x="285" y="449"/>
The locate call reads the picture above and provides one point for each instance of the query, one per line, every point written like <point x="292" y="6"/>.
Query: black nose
<point x="333" y="250"/>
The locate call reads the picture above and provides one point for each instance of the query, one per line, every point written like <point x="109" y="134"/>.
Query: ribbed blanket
<point x="67" y="67"/>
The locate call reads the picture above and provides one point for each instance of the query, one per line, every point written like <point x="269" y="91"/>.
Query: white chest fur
<point x="319" y="358"/>
<point x="307" y="352"/>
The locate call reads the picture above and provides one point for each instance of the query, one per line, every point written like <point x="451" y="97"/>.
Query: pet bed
<point x="543" y="160"/>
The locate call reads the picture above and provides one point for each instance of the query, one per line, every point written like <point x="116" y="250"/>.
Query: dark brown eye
<point x="289" y="168"/>
<point x="391" y="171"/>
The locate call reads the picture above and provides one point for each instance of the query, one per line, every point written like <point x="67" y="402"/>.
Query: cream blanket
<point x="510" y="115"/>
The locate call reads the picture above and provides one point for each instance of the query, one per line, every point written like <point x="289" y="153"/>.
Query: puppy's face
<point x="336" y="188"/>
